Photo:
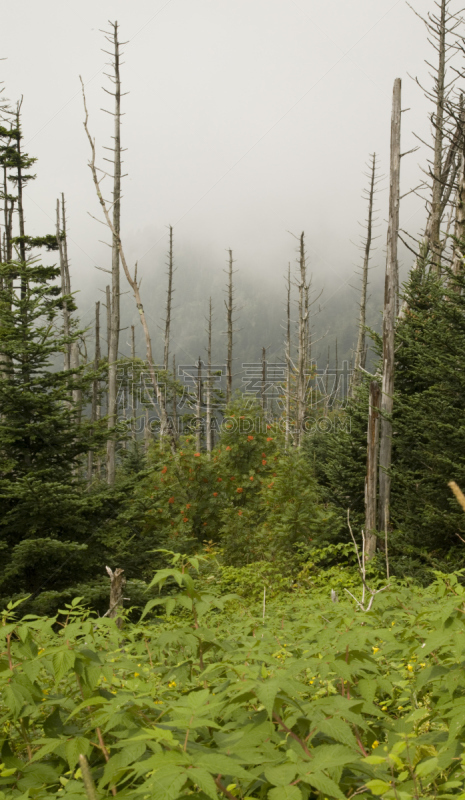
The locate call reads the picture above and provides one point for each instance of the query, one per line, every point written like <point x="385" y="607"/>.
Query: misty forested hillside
<point x="232" y="509"/>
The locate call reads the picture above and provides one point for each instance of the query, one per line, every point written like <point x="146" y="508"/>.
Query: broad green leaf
<point x="332" y="755"/>
<point x="285" y="793"/>
<point x="98" y="700"/>
<point x="338" y="730"/>
<point x="13" y="700"/>
<point x="426" y="767"/>
<point x="378" y="787"/>
<point x="167" y="783"/>
<point x="266" y="693"/>
<point x="170" y="605"/>
<point x="74" y="748"/>
<point x="325" y="785"/>
<point x="204" y="781"/>
<point x="281" y="775"/>
<point x="218" y="763"/>
<point x="63" y="661"/>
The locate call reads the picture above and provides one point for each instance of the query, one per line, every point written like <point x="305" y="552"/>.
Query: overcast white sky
<point x="246" y="119"/>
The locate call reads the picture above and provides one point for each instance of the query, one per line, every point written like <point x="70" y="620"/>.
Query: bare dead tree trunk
<point x="459" y="244"/>
<point x="438" y="123"/>
<point x="147" y="432"/>
<point x="113" y="343"/>
<point x="327" y="382"/>
<point x="108" y="309"/>
<point x="175" y="399"/>
<point x="361" y="349"/>
<point x="8" y="207"/>
<point x="117" y="584"/>
<point x="208" y="418"/>
<point x="442" y="36"/>
<point x="302" y="356"/>
<point x="77" y="393"/>
<point x="288" y="362"/>
<point x="95" y="390"/>
<point x="198" y="408"/>
<point x="336" y="379"/>
<point x="135" y="286"/>
<point x="371" y="476"/>
<point x="389" y="315"/>
<point x="65" y="278"/>
<point x="169" y="302"/>
<point x="230" y="322"/>
<point x="133" y="360"/>
<point x="19" y="182"/>
<point x="263" y="383"/>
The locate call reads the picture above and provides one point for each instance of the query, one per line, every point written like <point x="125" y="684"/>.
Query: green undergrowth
<point x="219" y="697"/>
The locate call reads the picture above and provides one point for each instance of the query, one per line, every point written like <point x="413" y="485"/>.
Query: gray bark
<point x="65" y="277"/>
<point x="438" y="123"/>
<point x="302" y="353"/>
<point x="371" y="475"/>
<point x="95" y="411"/>
<point x="229" y="318"/>
<point x="77" y="393"/>
<point x="361" y="349"/>
<point x="198" y="408"/>
<point x="208" y="419"/>
<point x="175" y="399"/>
<point x="135" y="286"/>
<point x="263" y="384"/>
<point x="133" y="359"/>
<point x="113" y="342"/>
<point x="169" y="302"/>
<point x="288" y="362"/>
<point x="389" y="315"/>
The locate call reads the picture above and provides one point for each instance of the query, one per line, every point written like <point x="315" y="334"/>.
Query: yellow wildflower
<point x="172" y="685"/>
<point x="375" y="744"/>
<point x="375" y="649"/>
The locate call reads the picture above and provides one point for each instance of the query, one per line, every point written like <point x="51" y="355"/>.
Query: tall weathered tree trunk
<point x="175" y="400"/>
<point x="328" y="361"/>
<point x="263" y="383"/>
<point x="208" y="418"/>
<point x="113" y="343"/>
<point x="389" y="315"/>
<point x="135" y="286"/>
<point x="8" y="207"/>
<point x="169" y="302"/>
<point x="372" y="469"/>
<point x="77" y="393"/>
<point x="95" y="389"/>
<point x="438" y="123"/>
<point x="336" y="379"/>
<point x="442" y="32"/>
<point x="288" y="362"/>
<point x="302" y="355"/>
<point x="133" y="405"/>
<point x="65" y="278"/>
<point x="229" y="318"/>
<point x="459" y="244"/>
<point x="198" y="409"/>
<point x="147" y="431"/>
<point x="361" y="349"/>
<point x="19" y="186"/>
